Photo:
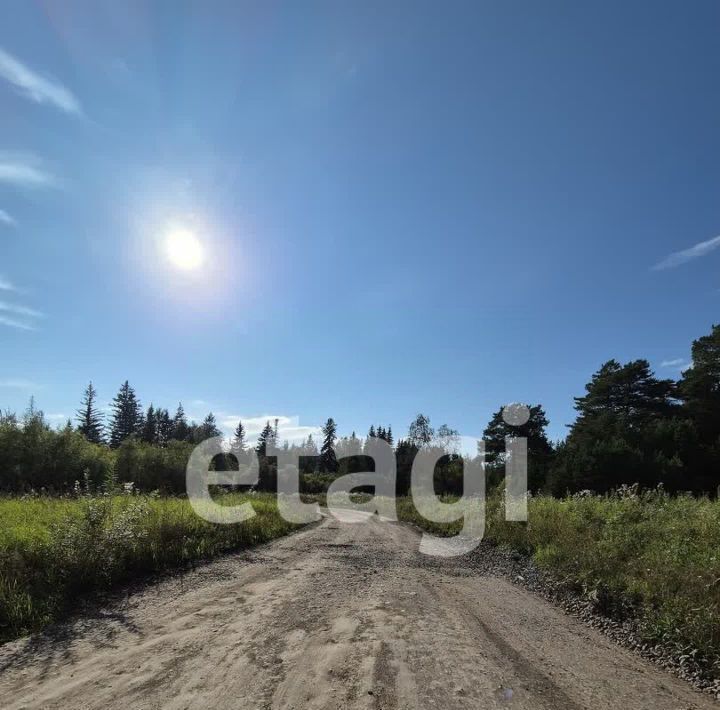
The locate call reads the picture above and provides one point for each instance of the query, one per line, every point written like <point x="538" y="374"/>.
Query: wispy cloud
<point x="5" y="218"/>
<point x="681" y="257"/>
<point x="37" y="88"/>
<point x="19" y="384"/>
<point x="5" y="285"/>
<point x="15" y="315"/>
<point x="24" y="170"/>
<point x="289" y="428"/>
<point x="678" y="363"/>
<point x="20" y="310"/>
<point x="15" y="323"/>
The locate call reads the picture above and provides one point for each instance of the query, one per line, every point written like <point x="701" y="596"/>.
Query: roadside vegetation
<point x="54" y="551"/>
<point x="599" y="518"/>
<point x="646" y="556"/>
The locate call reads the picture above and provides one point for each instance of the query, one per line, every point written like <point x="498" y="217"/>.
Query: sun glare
<point x="184" y="250"/>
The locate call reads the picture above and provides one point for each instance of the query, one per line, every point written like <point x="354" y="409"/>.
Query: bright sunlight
<point x="184" y="250"/>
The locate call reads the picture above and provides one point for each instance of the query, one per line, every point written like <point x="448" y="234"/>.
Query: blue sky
<point x="403" y="207"/>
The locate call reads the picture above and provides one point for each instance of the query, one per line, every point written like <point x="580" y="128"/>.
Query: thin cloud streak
<point x="681" y="257"/>
<point x="672" y="363"/>
<point x="13" y="323"/>
<point x="24" y="170"/>
<point x="20" y="310"/>
<point x="5" y="218"/>
<point x="35" y="87"/>
<point x="5" y="285"/>
<point x="19" y="384"/>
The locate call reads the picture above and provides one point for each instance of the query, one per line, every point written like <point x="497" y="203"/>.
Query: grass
<point x="649" y="556"/>
<point x="54" y="551"/>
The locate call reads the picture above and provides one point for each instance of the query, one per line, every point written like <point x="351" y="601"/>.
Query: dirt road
<point x="336" y="616"/>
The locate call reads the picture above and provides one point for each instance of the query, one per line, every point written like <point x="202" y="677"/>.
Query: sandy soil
<point x="340" y="615"/>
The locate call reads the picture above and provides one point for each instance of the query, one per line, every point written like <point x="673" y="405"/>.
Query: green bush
<point x="648" y="555"/>
<point x="53" y="551"/>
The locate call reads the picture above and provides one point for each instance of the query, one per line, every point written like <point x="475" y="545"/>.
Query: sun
<point x="184" y="250"/>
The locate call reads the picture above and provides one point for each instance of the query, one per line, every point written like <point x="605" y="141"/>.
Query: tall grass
<point x="53" y="551"/>
<point x="648" y="556"/>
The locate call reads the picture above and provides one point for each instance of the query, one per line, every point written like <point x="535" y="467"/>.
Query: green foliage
<point x="53" y="551"/>
<point x="33" y="456"/>
<point x="328" y="462"/>
<point x="152" y="468"/>
<point x="646" y="554"/>
<point x="127" y="419"/>
<point x="90" y="421"/>
<point x="540" y="450"/>
<point x="632" y="428"/>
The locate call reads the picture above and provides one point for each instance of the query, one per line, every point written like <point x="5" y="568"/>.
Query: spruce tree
<point x="208" y="428"/>
<point x="238" y="441"/>
<point x="90" y="422"/>
<point x="164" y="427"/>
<point x="266" y="435"/>
<point x="180" y="429"/>
<point x="328" y="461"/>
<point x="127" y="415"/>
<point x="149" y="430"/>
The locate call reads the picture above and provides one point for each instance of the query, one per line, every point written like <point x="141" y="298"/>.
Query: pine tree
<point x="90" y="422"/>
<point x="700" y="386"/>
<point x="267" y="475"/>
<point x="328" y="461"/>
<point x="309" y="447"/>
<point x="127" y="415"/>
<point x="164" y="427"/>
<point x="266" y="436"/>
<point x="208" y="428"/>
<point x="389" y="436"/>
<point x="149" y="430"/>
<point x="180" y="429"/>
<point x="238" y="442"/>
<point x="539" y="449"/>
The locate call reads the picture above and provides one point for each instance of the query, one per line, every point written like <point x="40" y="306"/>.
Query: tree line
<point x="631" y="427"/>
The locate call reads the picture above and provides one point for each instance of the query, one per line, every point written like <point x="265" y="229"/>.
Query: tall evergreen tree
<point x="208" y="428"/>
<point x="164" y="427"/>
<point x="328" y="461"/>
<point x="266" y="435"/>
<point x="310" y="447"/>
<point x="268" y="468"/>
<point x="149" y="429"/>
<point x="90" y="421"/>
<point x="238" y="441"/>
<point x="700" y="386"/>
<point x="539" y="448"/>
<point x="180" y="429"/>
<point x="127" y="415"/>
<point x="624" y="433"/>
<point x="629" y="391"/>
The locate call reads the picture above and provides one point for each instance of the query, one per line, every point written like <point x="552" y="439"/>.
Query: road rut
<point x="339" y="615"/>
